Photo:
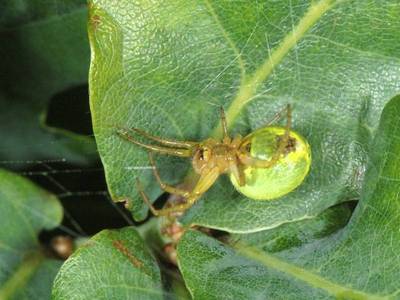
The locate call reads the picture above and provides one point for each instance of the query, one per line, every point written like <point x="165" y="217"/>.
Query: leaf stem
<point x="21" y="276"/>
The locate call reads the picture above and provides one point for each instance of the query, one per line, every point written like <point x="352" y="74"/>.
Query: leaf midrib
<point x="306" y="276"/>
<point x="251" y="83"/>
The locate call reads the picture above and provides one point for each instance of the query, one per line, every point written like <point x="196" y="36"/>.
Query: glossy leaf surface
<point x="165" y="67"/>
<point x="114" y="264"/>
<point x="358" y="262"/>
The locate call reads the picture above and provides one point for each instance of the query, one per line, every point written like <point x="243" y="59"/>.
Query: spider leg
<point x="279" y="115"/>
<point x="246" y="159"/>
<point x="236" y="168"/>
<point x="223" y="123"/>
<point x="237" y="141"/>
<point x="167" y="188"/>
<point x="166" y="142"/>
<point x="165" y="150"/>
<point x="204" y="183"/>
<point x="146" y="200"/>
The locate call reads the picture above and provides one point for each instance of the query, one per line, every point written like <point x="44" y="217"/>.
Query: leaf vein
<point x="249" y="87"/>
<point x="225" y="34"/>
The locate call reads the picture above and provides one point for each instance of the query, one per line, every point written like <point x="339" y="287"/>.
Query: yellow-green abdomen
<point x="288" y="172"/>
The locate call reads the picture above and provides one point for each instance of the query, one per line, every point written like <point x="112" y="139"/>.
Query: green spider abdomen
<point x="284" y="176"/>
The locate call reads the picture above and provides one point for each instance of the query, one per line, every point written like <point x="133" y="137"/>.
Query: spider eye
<point x="201" y="154"/>
<point x="204" y="154"/>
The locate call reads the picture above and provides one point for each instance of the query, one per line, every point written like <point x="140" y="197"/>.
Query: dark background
<point x="45" y="124"/>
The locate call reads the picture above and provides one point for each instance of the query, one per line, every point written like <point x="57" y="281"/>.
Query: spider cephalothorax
<point x="265" y="164"/>
<point x="222" y="155"/>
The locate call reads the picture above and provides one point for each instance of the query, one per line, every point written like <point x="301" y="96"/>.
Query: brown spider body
<point x="222" y="156"/>
<point x="210" y="159"/>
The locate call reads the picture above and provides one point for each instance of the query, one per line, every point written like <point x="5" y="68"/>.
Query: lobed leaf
<point x="45" y="52"/>
<point x="165" y="67"/>
<point x="113" y="264"/>
<point x="359" y="262"/>
<point x="25" y="210"/>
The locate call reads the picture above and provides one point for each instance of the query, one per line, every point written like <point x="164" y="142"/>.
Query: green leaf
<point x="114" y="264"/>
<point x="25" y="210"/>
<point x="296" y="234"/>
<point x="17" y="12"/>
<point x="166" y="68"/>
<point x="359" y="262"/>
<point x="46" y="54"/>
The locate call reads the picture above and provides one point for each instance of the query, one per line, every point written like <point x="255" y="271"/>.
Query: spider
<point x="264" y="165"/>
